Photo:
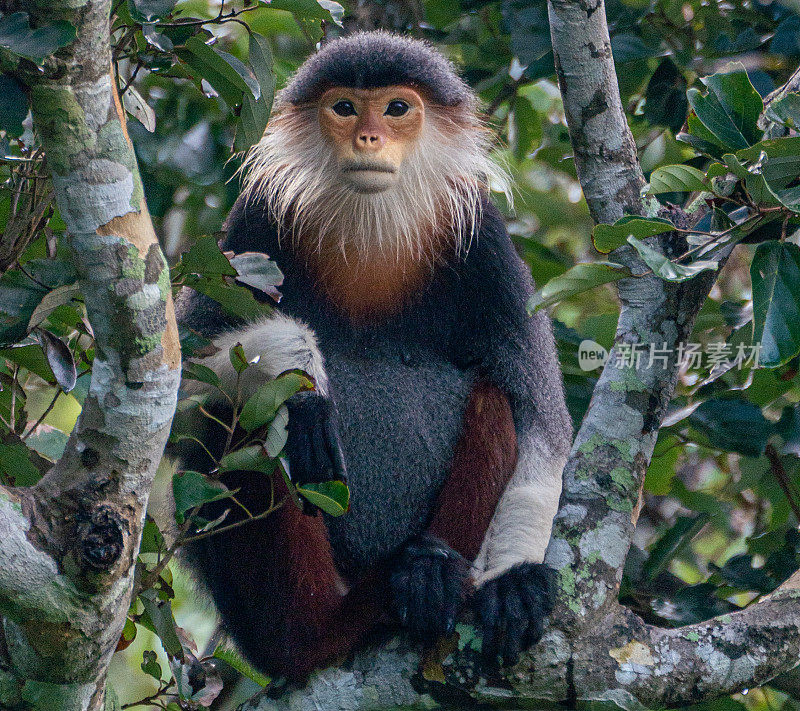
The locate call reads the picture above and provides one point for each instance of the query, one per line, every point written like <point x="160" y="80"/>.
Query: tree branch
<point x="68" y="545"/>
<point x="605" y="152"/>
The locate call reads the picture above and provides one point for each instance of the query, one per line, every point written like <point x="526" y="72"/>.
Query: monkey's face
<point x="371" y="132"/>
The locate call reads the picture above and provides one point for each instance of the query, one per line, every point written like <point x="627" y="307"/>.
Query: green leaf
<point x="785" y="111"/>
<point x="32" y="358"/>
<point x="778" y="160"/>
<point x="333" y="497"/>
<point x="665" y="97"/>
<point x="713" y="117"/>
<point x="733" y="426"/>
<point x="259" y="271"/>
<point x="729" y="111"/>
<point x="231" y="657"/>
<point x="262" y="407"/>
<point x="247" y="459"/>
<point x="19" y="297"/>
<point x="214" y="66"/>
<point x="137" y="107"/>
<point x="677" y="179"/>
<point x="739" y="98"/>
<point x="59" y="358"/>
<point x="205" y="257"/>
<point x="236" y="300"/>
<point x="150" y="665"/>
<point x="254" y="115"/>
<point x="243" y="71"/>
<point x="17" y="36"/>
<point x="57" y="297"/>
<point x="192" y="489"/>
<point x="201" y="373"/>
<point x="675" y="539"/>
<point x="525" y="121"/>
<point x="238" y="358"/>
<point x="163" y="622"/>
<point x="13" y="105"/>
<point x="152" y="540"/>
<point x="665" y="268"/>
<point x="580" y="278"/>
<point x="663" y="465"/>
<point x="700" y="138"/>
<point x="761" y="191"/>
<point x="49" y="442"/>
<point x="608" y="237"/>
<point x="310" y="9"/>
<point x="277" y="434"/>
<point x="775" y="276"/>
<point x="253" y="119"/>
<point x="16" y="466"/>
<point x="149" y="10"/>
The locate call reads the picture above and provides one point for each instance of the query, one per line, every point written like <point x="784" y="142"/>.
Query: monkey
<point x="437" y="398"/>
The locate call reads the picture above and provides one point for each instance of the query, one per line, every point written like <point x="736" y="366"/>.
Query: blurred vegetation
<point x="719" y="527"/>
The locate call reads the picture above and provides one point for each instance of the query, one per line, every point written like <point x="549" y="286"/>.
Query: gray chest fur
<point x="400" y="422"/>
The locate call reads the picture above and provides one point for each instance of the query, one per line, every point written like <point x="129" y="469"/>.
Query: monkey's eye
<point x="397" y="108"/>
<point x="344" y="108"/>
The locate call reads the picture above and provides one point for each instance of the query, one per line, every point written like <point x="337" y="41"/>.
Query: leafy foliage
<point x="722" y="499"/>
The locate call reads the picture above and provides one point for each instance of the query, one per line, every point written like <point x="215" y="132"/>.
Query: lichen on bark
<point x="69" y="543"/>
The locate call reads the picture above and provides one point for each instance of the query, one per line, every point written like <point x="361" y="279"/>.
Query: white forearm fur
<point x="273" y="345"/>
<point x="520" y="529"/>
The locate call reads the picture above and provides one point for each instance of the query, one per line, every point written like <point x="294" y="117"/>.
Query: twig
<point x="43" y="415"/>
<point x="230" y="527"/>
<point x="506" y="92"/>
<point x="783" y="479"/>
<point x="152" y="698"/>
<point x="218" y="20"/>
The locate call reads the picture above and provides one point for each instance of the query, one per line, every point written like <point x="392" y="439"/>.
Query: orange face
<point x="372" y="131"/>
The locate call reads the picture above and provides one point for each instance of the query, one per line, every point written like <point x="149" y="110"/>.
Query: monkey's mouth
<point x="368" y="168"/>
<point x="368" y="176"/>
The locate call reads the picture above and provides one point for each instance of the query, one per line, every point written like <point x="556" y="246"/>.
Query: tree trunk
<point x="68" y="545"/>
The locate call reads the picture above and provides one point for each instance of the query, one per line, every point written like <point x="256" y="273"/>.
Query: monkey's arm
<point x="273" y="345"/>
<point x="516" y="353"/>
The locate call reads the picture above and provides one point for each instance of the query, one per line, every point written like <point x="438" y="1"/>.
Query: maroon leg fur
<point x="483" y="462"/>
<point x="285" y="604"/>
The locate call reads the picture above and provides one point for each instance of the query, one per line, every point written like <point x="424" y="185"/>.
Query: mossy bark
<point x="68" y="545"/>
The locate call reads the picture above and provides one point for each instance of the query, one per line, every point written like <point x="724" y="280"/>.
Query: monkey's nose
<point x="370" y="140"/>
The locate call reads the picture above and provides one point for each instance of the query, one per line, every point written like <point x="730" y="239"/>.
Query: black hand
<point x="428" y="582"/>
<point x="512" y="609"/>
<point x="314" y="447"/>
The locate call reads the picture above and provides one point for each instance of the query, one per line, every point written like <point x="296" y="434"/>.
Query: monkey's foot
<point x="512" y="608"/>
<point x="428" y="582"/>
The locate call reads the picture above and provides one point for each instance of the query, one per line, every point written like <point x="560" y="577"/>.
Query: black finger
<point x="299" y="451"/>
<point x="516" y="621"/>
<point x="400" y="584"/>
<point x="334" y="446"/>
<point x="431" y="602"/>
<point x="489" y="613"/>
<point x="323" y="470"/>
<point x="455" y="582"/>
